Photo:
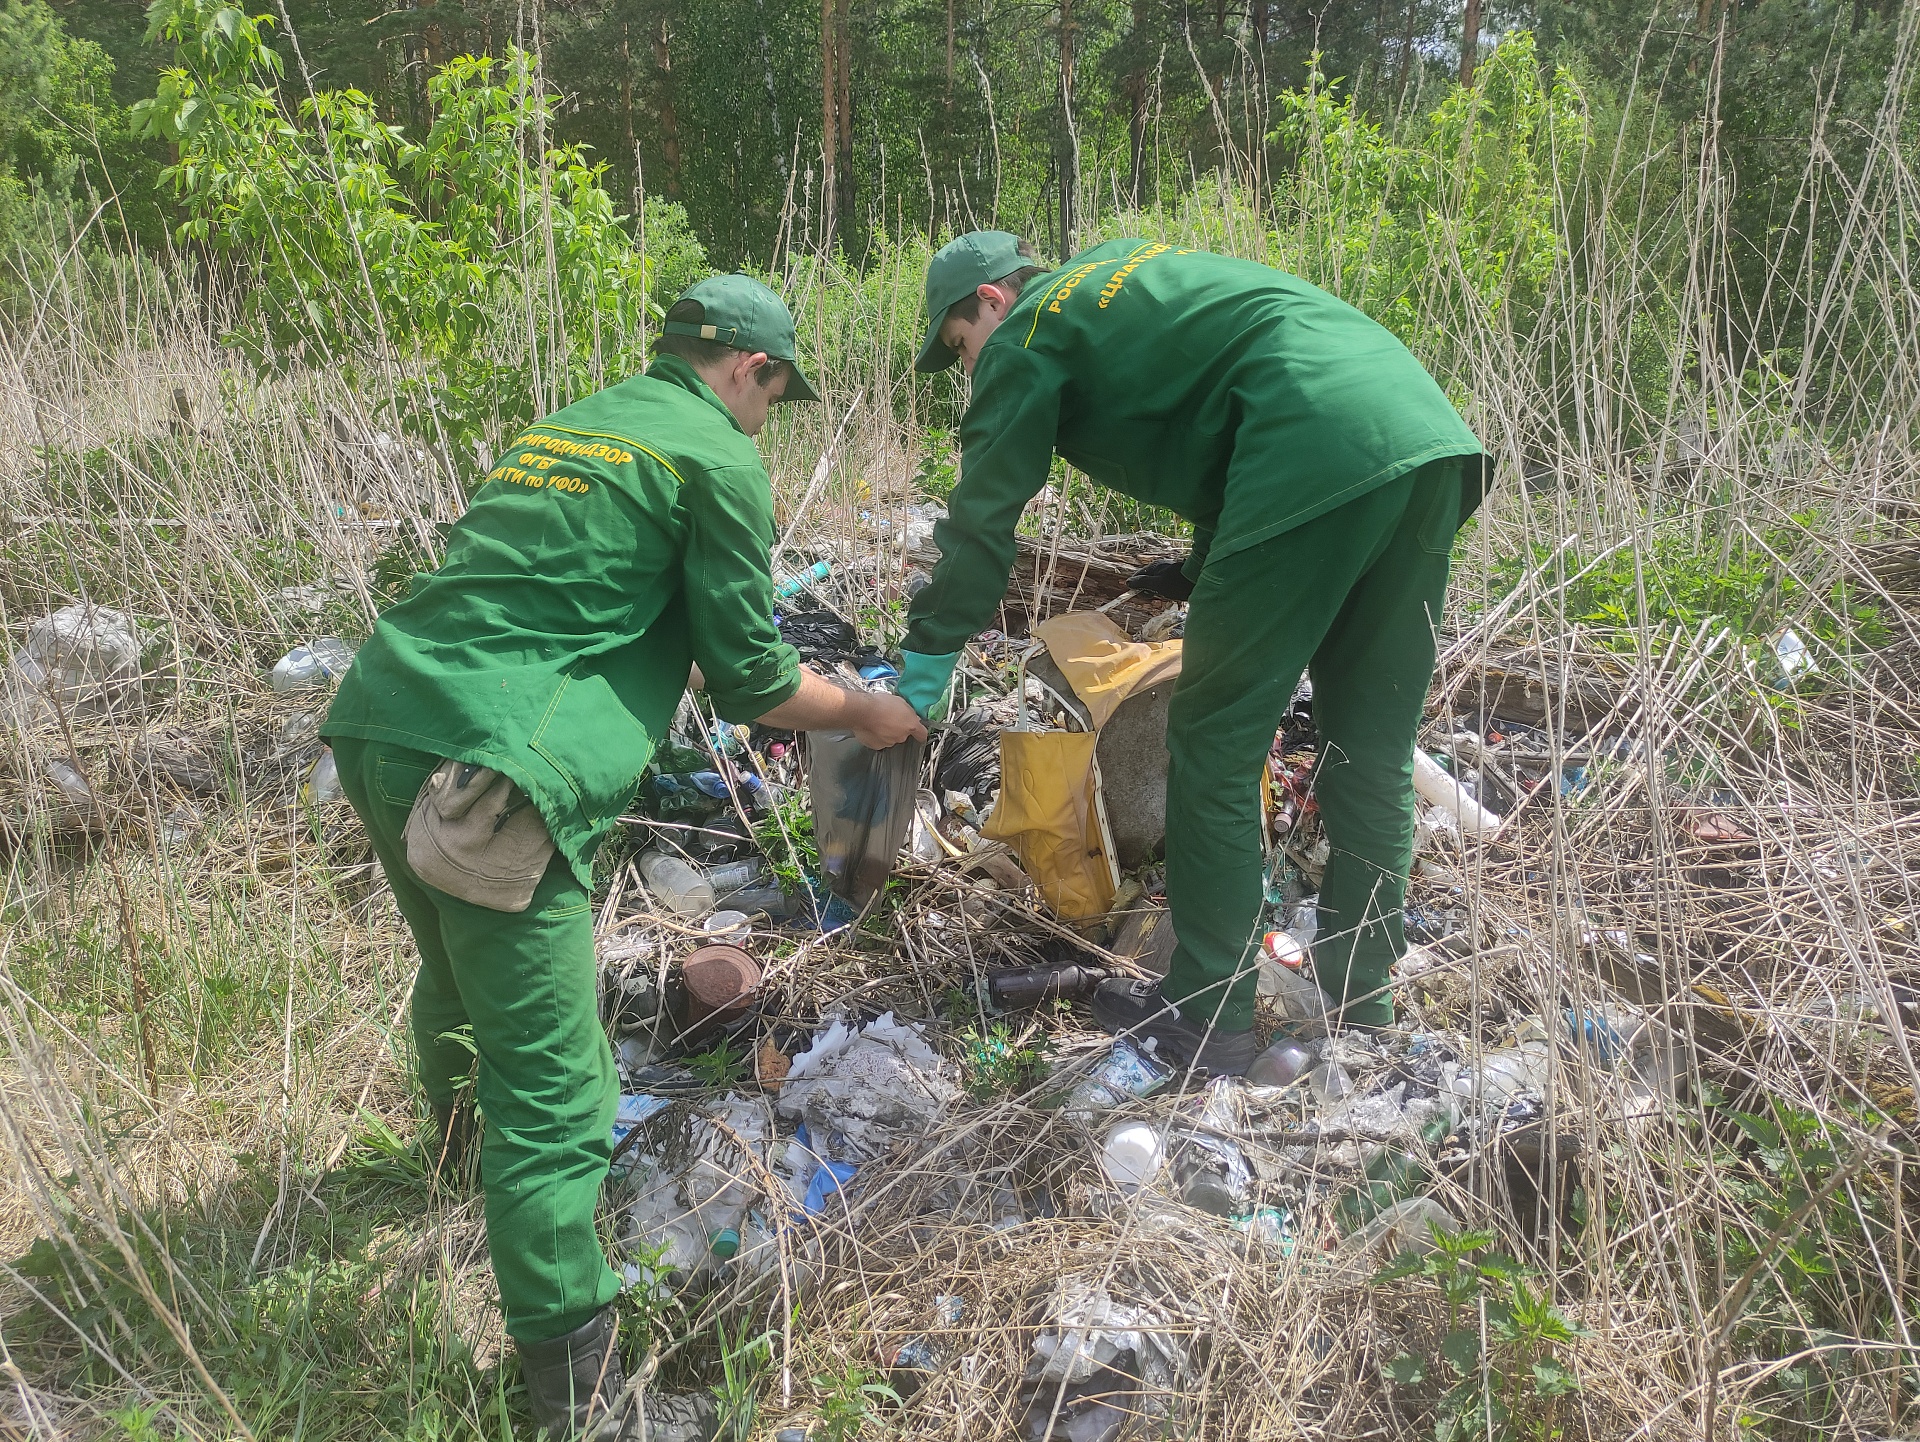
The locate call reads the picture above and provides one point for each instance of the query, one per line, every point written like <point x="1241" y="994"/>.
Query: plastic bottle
<point x="1132" y="1156"/>
<point x="1436" y="787"/>
<point x="1280" y="1065"/>
<point x="314" y="664"/>
<point x="794" y="585"/>
<point x="1505" y="1074"/>
<point x="676" y="885"/>
<point x="734" y="876"/>
<point x="1330" y="1081"/>
<point x="322" y="782"/>
<point x="72" y="784"/>
<point x="1124" y="1073"/>
<point x="769" y="899"/>
<point x="1030" y="985"/>
<point x="1301" y="1005"/>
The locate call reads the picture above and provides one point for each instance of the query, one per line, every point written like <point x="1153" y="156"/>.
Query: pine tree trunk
<point x="669" y="116"/>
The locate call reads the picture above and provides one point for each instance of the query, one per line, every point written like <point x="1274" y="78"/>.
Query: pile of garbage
<point x="777" y="1128"/>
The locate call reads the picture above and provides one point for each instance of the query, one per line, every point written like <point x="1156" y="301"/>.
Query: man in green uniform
<point x="1325" y="475"/>
<point x="617" y="543"/>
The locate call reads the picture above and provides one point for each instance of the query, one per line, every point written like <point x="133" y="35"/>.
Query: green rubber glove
<point x="923" y="681"/>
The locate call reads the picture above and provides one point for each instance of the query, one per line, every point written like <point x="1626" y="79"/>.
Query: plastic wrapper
<point x="863" y="804"/>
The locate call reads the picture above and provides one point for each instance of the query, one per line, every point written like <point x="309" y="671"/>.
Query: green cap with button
<point x="957" y="270"/>
<point x="738" y="311"/>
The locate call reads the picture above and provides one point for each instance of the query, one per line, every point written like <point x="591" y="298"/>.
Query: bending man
<point x="1325" y="474"/>
<point x="497" y="723"/>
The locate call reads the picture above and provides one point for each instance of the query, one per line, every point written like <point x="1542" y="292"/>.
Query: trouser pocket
<point x="1436" y="499"/>
<point x="475" y="835"/>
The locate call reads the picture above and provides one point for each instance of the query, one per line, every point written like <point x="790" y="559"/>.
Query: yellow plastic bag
<point x="1050" y="811"/>
<point x="1102" y="665"/>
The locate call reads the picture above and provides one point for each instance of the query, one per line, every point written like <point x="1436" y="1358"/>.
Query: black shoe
<point x="1136" y="1009"/>
<point x="450" y="1143"/>
<point x="1162" y="578"/>
<point x="576" y="1383"/>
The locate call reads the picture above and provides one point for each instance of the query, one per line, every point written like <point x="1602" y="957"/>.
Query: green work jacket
<point x="1236" y="395"/>
<point x="615" y="542"/>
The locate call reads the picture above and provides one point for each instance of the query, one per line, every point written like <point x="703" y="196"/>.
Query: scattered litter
<point x="863" y="804"/>
<point x="676" y="885"/>
<point x="1438" y="788"/>
<point x="1280" y="1065"/>
<point x="321" y="785"/>
<point x="1098" y="1365"/>
<point x="316" y="664"/>
<point x="1794" y="657"/>
<point x="1123" y="1074"/>
<point x="72" y="785"/>
<point x="860" y="1088"/>
<point x="83" y="660"/>
<point x="1026" y="986"/>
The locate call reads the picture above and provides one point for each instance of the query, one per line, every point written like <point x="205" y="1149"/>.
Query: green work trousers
<point x="545" y="1081"/>
<point x="1352" y="597"/>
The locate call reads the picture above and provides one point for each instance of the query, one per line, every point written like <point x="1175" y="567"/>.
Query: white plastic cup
<point x="726" y="924"/>
<point x="1132" y="1156"/>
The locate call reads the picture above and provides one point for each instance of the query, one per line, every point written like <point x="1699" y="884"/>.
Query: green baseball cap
<point x="738" y="311"/>
<point x="957" y="270"/>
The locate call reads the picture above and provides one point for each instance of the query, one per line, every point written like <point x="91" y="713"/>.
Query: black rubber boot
<point x="450" y="1143"/>
<point x="1136" y="1009"/>
<point x="575" y="1383"/>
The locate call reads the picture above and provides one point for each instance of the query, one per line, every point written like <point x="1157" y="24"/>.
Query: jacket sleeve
<point x="728" y="574"/>
<point x="1006" y="450"/>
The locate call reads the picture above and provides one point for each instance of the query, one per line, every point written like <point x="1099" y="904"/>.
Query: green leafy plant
<point x="785" y="836"/>
<point x="719" y="1066"/>
<point x="1499" y="1344"/>
<point x="851" y="1400"/>
<point x="994" y="1064"/>
<point x="744" y="1362"/>
<point x="362" y="246"/>
<point x="1805" y="1237"/>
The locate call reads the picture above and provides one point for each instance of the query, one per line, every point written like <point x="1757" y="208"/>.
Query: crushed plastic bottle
<point x="1301" y="1005"/>
<point x="1330" y="1081"/>
<point x="321" y="784"/>
<point x="317" y="663"/>
<point x="675" y="885"/>
<point x="1507" y="1073"/>
<point x="1280" y="1065"/>
<point x="63" y="774"/>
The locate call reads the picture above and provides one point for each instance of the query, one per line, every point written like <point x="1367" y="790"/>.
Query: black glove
<point x="1162" y="578"/>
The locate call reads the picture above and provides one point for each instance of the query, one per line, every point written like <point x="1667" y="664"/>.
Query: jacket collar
<point x="675" y="371"/>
